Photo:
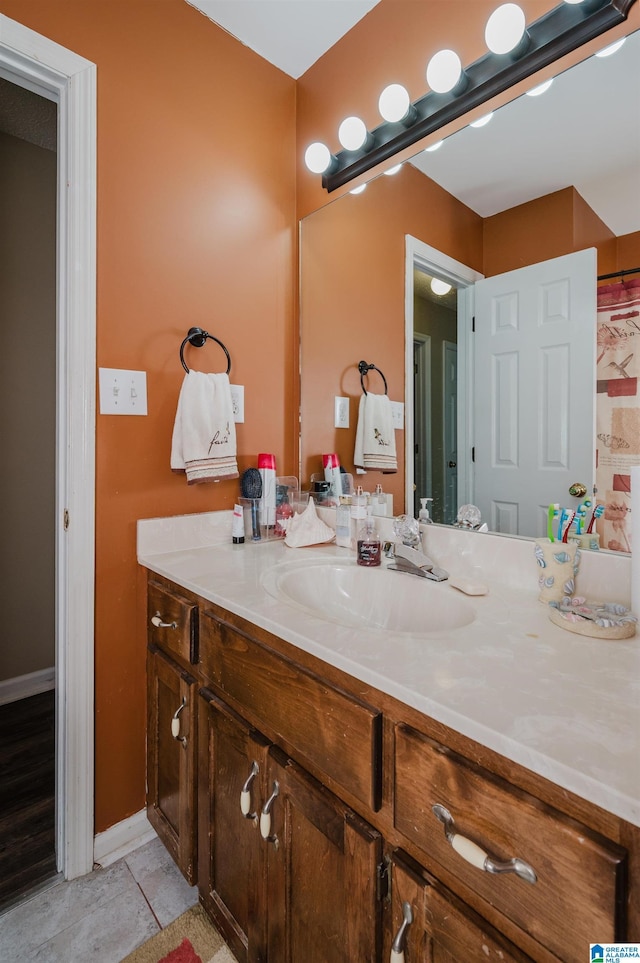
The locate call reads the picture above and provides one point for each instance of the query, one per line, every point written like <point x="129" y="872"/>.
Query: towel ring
<point x="363" y="368"/>
<point x="197" y="338"/>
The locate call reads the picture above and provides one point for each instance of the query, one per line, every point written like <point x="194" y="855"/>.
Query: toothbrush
<point x="565" y="535"/>
<point x="554" y="508"/>
<point x="581" y="515"/>
<point x="563" y="514"/>
<point x="597" y="512"/>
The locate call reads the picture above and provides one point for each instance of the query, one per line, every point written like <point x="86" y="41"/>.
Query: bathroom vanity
<point x="294" y="762"/>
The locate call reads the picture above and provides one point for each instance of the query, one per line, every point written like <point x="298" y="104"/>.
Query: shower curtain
<point x="617" y="408"/>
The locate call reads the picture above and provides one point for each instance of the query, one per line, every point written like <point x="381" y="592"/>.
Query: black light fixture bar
<point x="558" y="32"/>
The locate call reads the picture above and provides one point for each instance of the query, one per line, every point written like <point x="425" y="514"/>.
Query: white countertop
<point x="564" y="706"/>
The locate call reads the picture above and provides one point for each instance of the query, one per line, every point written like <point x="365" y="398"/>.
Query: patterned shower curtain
<point x="617" y="408"/>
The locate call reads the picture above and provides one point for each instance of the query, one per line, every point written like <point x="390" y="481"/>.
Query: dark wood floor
<point x="27" y="795"/>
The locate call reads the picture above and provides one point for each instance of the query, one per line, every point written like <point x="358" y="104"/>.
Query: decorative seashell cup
<point x="557" y="569"/>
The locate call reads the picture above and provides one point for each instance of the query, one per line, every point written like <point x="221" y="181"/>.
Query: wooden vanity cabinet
<point x="287" y="871"/>
<point x="348" y="777"/>
<point x="171" y="739"/>
<point x="172" y="622"/>
<point x="442" y="928"/>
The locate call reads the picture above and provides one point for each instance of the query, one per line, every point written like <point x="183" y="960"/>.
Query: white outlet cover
<point x="341" y="412"/>
<point x="237" y="398"/>
<point x="122" y="392"/>
<point x="397" y="414"/>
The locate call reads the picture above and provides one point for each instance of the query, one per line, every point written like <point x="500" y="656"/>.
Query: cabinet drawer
<point x="172" y="623"/>
<point x="323" y="726"/>
<point x="578" y="896"/>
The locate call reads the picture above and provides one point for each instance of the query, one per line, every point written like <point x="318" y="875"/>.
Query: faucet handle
<point x="407" y="529"/>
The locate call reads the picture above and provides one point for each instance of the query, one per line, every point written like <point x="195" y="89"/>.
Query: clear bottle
<point x="368" y="543"/>
<point x="423" y="514"/>
<point x="284" y="511"/>
<point x="343" y="522"/>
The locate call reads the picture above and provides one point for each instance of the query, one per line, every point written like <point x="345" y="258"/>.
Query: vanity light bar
<point x="558" y="32"/>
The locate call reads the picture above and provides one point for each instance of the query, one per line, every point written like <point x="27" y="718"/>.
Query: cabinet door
<point x="323" y="864"/>
<point x="428" y="924"/>
<point x="171" y="756"/>
<point x="232" y="863"/>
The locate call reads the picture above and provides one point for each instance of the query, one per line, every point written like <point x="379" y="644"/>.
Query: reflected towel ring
<point x="197" y="338"/>
<point x="363" y="368"/>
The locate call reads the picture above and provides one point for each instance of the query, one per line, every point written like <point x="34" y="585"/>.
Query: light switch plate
<point x="122" y="392"/>
<point x="397" y="414"/>
<point x="341" y="412"/>
<point x="237" y="397"/>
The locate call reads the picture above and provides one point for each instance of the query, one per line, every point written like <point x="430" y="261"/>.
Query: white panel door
<point x="535" y="391"/>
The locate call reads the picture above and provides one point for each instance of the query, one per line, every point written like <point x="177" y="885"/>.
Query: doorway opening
<point x="36" y="63"/>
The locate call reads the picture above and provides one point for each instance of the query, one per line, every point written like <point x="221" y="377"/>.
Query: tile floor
<point x="100" y="917"/>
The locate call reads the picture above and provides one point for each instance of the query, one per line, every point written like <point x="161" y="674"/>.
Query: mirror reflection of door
<point x="435" y="318"/>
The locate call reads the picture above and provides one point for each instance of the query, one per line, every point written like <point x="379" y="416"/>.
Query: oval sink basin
<point x="373" y="598"/>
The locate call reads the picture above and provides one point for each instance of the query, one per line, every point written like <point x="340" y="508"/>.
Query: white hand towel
<point x="204" y="433"/>
<point x="375" y="446"/>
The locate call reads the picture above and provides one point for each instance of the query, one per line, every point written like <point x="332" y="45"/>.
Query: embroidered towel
<point x="375" y="436"/>
<point x="204" y="432"/>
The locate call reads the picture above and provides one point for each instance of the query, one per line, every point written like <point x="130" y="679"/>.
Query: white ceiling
<point x="292" y="34"/>
<point x="584" y="134"/>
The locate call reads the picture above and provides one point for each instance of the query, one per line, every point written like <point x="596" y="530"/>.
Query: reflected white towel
<point x="375" y="436"/>
<point x="204" y="432"/>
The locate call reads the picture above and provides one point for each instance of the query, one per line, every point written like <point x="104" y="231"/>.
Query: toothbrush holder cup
<point x="557" y="564"/>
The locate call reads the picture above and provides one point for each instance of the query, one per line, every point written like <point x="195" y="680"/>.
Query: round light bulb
<point x="443" y="71"/>
<point x="440" y="287"/>
<point x="540" y="89"/>
<point x="435" y="146"/>
<point x="505" y="28"/>
<point x="394" y="103"/>
<point x="358" y="190"/>
<point x="611" y="49"/>
<point x="393" y="170"/>
<point x="481" y="121"/>
<point x="352" y="133"/>
<point x="317" y="157"/>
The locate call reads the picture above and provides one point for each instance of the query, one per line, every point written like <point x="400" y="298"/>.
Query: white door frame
<point x="422" y="423"/>
<point x="39" y="64"/>
<point x="431" y="261"/>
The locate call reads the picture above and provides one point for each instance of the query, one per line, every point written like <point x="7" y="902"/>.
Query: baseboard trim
<point x="122" y="839"/>
<point x="23" y="686"/>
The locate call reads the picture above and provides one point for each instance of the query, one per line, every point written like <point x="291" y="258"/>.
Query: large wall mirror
<point x="548" y="177"/>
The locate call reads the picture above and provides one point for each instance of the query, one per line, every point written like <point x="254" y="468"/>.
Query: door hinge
<point x="382" y="879"/>
<point x="65" y="519"/>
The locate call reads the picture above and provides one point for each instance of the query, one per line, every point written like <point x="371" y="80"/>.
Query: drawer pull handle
<point x="245" y="793"/>
<point x="159" y="624"/>
<point x="265" y="815"/>
<point x="397" y="947"/>
<point x="475" y="855"/>
<point x="175" y="723"/>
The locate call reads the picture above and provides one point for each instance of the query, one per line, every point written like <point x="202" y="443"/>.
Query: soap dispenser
<point x="368" y="543"/>
<point x="423" y="515"/>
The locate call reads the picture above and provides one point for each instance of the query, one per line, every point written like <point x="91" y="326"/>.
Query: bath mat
<point x="191" y="938"/>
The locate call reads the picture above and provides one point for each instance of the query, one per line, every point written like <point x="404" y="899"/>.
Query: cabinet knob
<point x="160" y="624"/>
<point x="477" y="856"/>
<point x="397" y="947"/>
<point x="245" y="793"/>
<point x="175" y="724"/>
<point x="265" y="815"/>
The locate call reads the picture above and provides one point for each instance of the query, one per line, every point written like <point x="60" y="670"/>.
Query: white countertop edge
<point x="599" y="792"/>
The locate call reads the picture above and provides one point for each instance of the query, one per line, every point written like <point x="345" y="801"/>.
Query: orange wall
<point x="550" y="226"/>
<point x="352" y="303"/>
<point x="196" y="226"/>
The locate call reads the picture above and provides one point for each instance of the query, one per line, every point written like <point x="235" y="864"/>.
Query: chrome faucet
<point x="413" y="561"/>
